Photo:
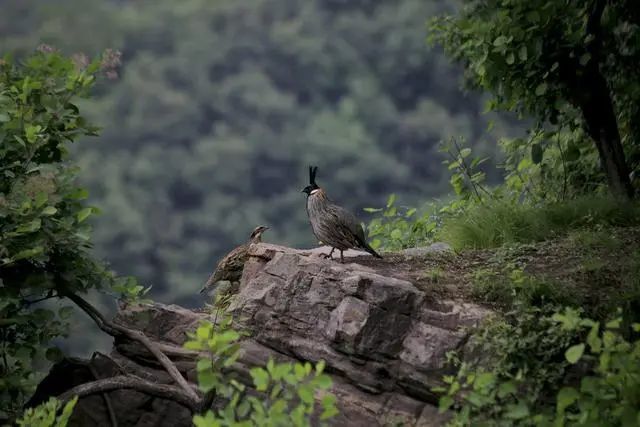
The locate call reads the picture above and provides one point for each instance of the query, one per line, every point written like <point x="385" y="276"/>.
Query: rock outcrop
<point x="384" y="340"/>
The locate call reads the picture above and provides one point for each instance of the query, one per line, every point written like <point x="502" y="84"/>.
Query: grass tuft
<point x="502" y="222"/>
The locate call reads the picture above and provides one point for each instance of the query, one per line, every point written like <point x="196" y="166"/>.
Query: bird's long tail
<point x="364" y="245"/>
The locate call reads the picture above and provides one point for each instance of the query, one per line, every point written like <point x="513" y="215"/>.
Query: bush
<point x="284" y="392"/>
<point x="528" y="376"/>
<point x="44" y="231"/>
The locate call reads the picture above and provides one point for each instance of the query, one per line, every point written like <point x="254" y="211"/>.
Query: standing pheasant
<point x="332" y="224"/>
<point x="229" y="269"/>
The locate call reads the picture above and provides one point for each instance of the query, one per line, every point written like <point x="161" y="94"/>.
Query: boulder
<point x="383" y="339"/>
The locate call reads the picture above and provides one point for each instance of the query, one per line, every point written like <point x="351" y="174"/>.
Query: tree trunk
<point x="594" y="99"/>
<point x="602" y="126"/>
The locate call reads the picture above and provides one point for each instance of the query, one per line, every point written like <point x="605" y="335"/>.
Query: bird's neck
<point x="256" y="239"/>
<point x="318" y="194"/>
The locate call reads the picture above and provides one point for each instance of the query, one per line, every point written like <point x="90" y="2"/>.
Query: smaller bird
<point x="332" y="224"/>
<point x="229" y="268"/>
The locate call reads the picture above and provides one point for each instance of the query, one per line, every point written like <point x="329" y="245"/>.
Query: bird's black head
<point x="312" y="181"/>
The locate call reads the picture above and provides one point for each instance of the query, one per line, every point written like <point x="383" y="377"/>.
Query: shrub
<point x="284" y="392"/>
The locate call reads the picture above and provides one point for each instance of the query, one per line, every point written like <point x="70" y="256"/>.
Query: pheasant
<point x="229" y="268"/>
<point x="332" y="224"/>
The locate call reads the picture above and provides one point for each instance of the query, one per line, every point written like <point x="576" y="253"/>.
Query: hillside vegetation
<point x="201" y="142"/>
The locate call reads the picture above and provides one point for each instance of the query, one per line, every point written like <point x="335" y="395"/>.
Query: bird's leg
<point x="330" y="254"/>
<point x="341" y="257"/>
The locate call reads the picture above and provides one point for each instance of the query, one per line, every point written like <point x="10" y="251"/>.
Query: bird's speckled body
<point x="230" y="267"/>
<point x="332" y="224"/>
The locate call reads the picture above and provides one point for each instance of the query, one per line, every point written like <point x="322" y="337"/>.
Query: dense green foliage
<point x="49" y="414"/>
<point x="44" y="236"/>
<point x="220" y="106"/>
<point x="538" y="57"/>
<point x="285" y="391"/>
<point x="533" y="354"/>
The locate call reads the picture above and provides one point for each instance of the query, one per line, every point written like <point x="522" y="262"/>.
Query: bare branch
<point x="122" y="382"/>
<point x="114" y="329"/>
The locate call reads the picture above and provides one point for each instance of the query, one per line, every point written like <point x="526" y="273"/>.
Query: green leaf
<point x="84" y="214"/>
<point x="391" y="200"/>
<point x="500" y="41"/>
<point x="536" y="154"/>
<point x="511" y="58"/>
<point x="541" y="89"/>
<point x="483" y="380"/>
<point x="522" y="53"/>
<point x="305" y="394"/>
<point x="566" y="397"/>
<point x="260" y="378"/>
<point x="207" y="380"/>
<point x="614" y="324"/>
<point x="396" y="234"/>
<point x="30" y="227"/>
<point x="40" y="199"/>
<point x="323" y="382"/>
<point x="204" y="364"/>
<point x="574" y="353"/>
<point x="78" y="194"/>
<point x="517" y="411"/>
<point x="299" y="371"/>
<point x="28" y="253"/>
<point x="444" y="403"/>
<point x="49" y="210"/>
<point x="506" y="389"/>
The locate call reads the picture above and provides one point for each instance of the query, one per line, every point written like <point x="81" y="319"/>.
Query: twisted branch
<point x="115" y="330"/>
<point x="120" y="382"/>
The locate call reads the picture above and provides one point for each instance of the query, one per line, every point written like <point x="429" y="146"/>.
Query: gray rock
<point x="384" y="344"/>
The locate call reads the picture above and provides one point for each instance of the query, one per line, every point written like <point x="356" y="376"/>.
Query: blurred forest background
<point x="219" y="107"/>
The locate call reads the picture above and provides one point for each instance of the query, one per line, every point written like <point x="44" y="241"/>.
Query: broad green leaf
<point x="574" y="353"/>
<point x="305" y="394"/>
<point x="260" y="378"/>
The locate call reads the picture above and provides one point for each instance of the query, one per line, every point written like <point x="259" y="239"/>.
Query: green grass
<point x="501" y="222"/>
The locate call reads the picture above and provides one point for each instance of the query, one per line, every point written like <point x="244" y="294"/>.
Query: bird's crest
<point x="312" y="175"/>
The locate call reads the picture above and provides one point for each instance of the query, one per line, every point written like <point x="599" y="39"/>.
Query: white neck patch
<point x="314" y="191"/>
